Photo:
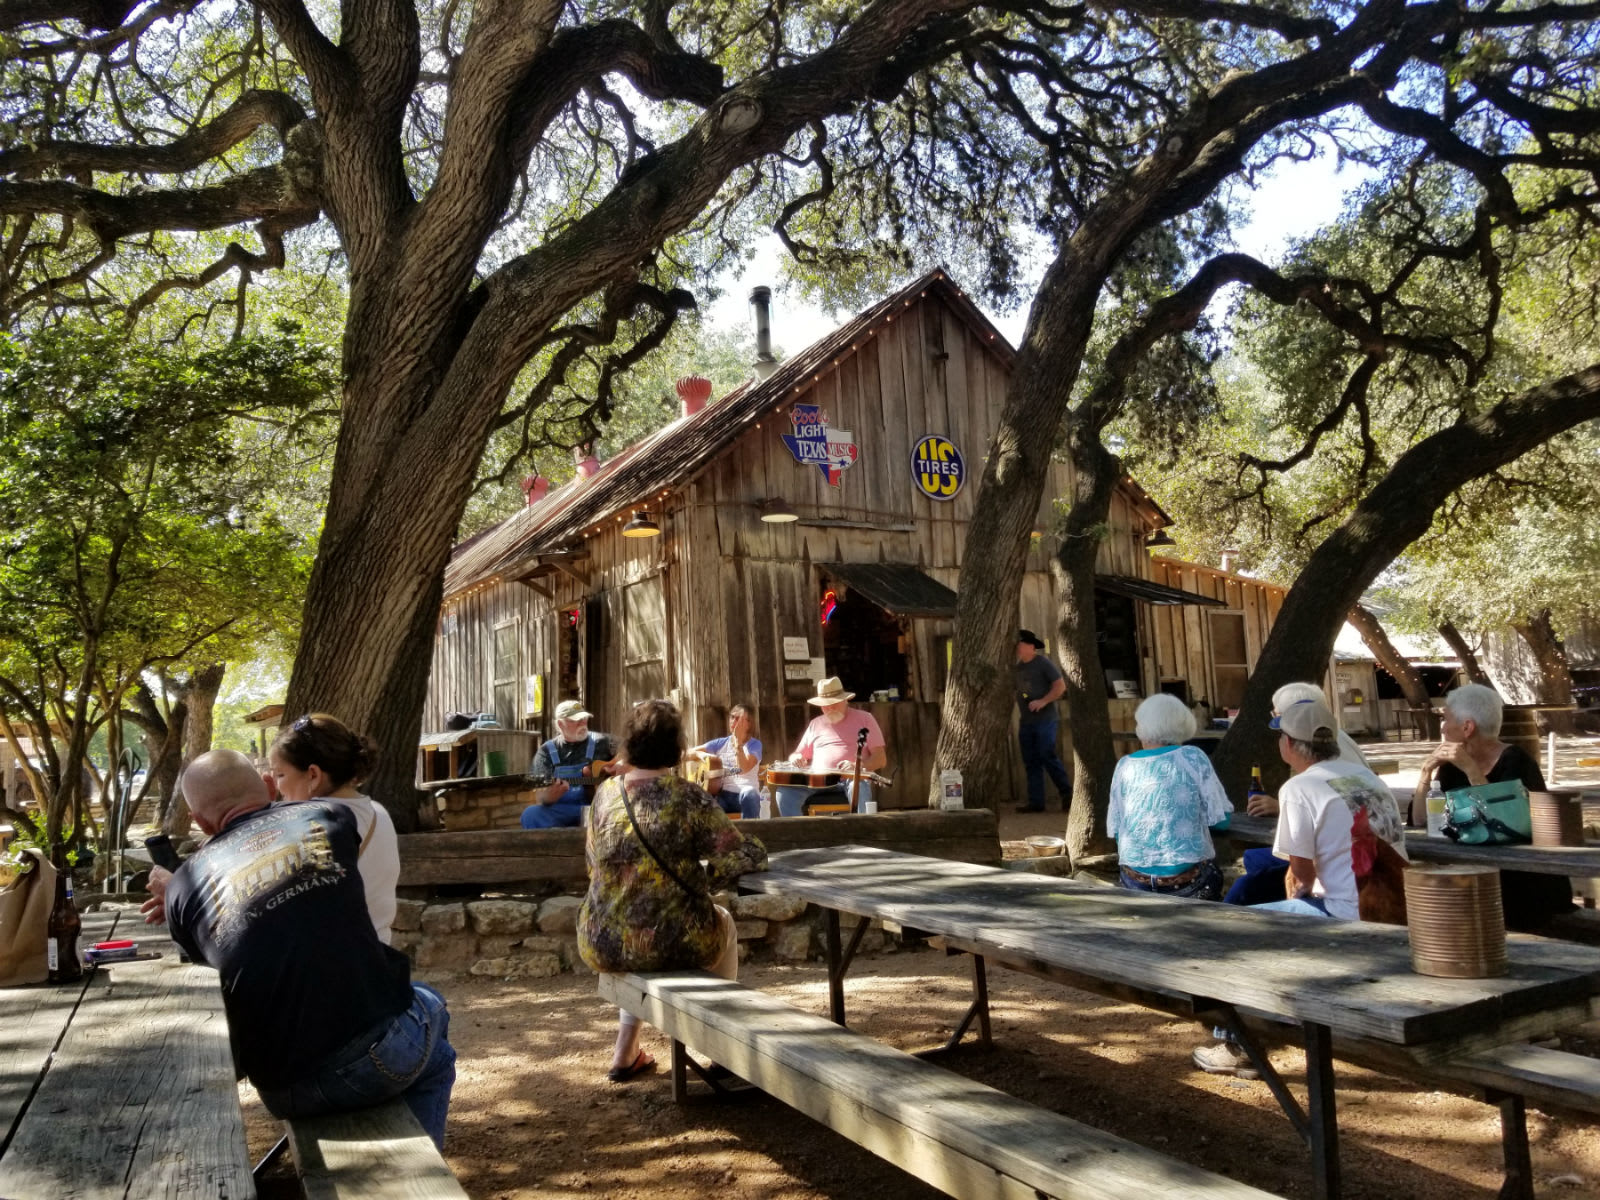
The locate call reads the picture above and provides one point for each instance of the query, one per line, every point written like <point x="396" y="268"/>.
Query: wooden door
<point x="1230" y="666"/>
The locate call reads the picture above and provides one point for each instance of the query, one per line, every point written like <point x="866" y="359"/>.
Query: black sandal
<point x="642" y="1065"/>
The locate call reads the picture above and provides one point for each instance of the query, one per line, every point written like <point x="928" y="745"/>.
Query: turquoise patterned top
<point x="1163" y="804"/>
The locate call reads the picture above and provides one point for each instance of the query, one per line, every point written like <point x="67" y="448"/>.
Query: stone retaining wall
<point x="516" y="937"/>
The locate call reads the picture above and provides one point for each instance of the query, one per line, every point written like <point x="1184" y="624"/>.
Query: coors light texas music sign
<point x="814" y="444"/>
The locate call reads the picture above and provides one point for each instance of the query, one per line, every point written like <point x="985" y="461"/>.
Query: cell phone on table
<point x="162" y="852"/>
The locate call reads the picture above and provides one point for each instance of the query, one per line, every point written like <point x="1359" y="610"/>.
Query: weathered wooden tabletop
<point x="1355" y="979"/>
<point x="121" y="1086"/>
<point x="1581" y="861"/>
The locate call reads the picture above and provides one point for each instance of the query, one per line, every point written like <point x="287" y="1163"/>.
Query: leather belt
<point x="1166" y="881"/>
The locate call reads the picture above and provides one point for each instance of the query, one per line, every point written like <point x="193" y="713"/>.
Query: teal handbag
<point x="1495" y="814"/>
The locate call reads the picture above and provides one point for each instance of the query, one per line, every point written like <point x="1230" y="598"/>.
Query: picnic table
<point x="1343" y="984"/>
<point x="1580" y="861"/>
<point x="121" y="1085"/>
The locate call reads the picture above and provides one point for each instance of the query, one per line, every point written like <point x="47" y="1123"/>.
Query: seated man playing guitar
<point x="566" y="770"/>
<point x="732" y="762"/>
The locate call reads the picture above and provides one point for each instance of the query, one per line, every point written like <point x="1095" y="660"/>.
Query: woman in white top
<point x="319" y="757"/>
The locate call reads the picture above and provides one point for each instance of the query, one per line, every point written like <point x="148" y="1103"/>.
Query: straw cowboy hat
<point x="830" y="691"/>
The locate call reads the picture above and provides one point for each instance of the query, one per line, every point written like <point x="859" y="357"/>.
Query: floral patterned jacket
<point x="636" y="917"/>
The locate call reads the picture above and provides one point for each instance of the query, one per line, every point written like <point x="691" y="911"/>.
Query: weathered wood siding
<point x="1183" y="635"/>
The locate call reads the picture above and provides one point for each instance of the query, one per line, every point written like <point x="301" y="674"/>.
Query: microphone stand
<point x="855" y="782"/>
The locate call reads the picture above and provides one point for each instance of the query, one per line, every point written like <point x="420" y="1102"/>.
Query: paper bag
<point x="25" y="906"/>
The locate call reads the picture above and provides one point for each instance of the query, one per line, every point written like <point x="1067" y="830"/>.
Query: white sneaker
<point x="1225" y="1059"/>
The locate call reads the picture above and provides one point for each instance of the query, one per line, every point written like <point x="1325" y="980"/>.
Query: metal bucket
<point x="1557" y="818"/>
<point x="1457" y="926"/>
<point x="1042" y="846"/>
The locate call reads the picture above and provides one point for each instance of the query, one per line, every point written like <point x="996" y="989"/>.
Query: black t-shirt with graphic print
<point x="275" y="904"/>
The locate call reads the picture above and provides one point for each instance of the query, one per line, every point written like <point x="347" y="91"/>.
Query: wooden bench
<point x="965" y="1138"/>
<point x="369" y="1154"/>
<point x="556" y="855"/>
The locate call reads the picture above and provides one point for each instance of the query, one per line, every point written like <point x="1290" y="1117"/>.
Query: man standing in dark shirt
<point x="566" y="770"/>
<point x="323" y="1016"/>
<point x="1039" y="686"/>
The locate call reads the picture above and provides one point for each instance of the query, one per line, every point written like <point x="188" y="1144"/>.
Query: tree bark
<point x="1392" y="661"/>
<point x="1555" y="673"/>
<point x="1398" y="510"/>
<point x="1095" y="476"/>
<point x="1464" y="653"/>
<point x="201" y="691"/>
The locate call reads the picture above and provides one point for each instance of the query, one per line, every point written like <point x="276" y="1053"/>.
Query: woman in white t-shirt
<point x="319" y="757"/>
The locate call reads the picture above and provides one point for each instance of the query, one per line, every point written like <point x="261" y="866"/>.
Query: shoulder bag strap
<point x="651" y="850"/>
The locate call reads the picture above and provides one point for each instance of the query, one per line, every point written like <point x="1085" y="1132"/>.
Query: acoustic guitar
<point x="707" y="772"/>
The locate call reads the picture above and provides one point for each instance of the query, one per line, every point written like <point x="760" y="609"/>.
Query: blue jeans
<point x="1038" y="742"/>
<point x="412" y="1058"/>
<point x="1262" y="881"/>
<point x="1207" y="885"/>
<point x="563" y="814"/>
<point x="1308" y="906"/>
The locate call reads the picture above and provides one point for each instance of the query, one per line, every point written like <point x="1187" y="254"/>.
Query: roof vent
<point x="693" y="392"/>
<point x="761" y="311"/>
<point x="535" y="487"/>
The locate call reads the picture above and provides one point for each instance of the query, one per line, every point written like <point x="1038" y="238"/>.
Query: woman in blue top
<point x="740" y="756"/>
<point x="1165" y="801"/>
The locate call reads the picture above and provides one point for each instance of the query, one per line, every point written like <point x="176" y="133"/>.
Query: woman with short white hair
<point x="1472" y="755"/>
<point x="1165" y="802"/>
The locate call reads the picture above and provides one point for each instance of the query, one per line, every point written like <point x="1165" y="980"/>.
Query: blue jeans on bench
<point x="1263" y="878"/>
<point x="411" y="1058"/>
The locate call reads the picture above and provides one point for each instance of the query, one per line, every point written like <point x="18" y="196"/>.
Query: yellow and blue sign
<point x="937" y="467"/>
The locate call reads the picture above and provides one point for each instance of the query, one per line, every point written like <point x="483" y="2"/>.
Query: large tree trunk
<point x="1555" y="673"/>
<point x="1464" y="654"/>
<point x="202" y="691"/>
<point x="1095" y="476"/>
<point x="1397" y="511"/>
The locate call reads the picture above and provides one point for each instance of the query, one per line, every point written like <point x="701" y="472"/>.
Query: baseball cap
<point x="1307" y="721"/>
<point x="571" y="710"/>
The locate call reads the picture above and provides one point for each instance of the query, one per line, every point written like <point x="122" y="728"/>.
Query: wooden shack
<point x="811" y="523"/>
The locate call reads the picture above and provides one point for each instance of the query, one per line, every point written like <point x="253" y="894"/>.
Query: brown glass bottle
<point x="62" y="932"/>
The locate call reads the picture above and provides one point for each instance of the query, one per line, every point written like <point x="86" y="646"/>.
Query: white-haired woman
<point x="1165" y="802"/>
<point x="1472" y="755"/>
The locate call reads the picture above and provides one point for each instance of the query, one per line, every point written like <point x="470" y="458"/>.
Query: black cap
<point x="1027" y="635"/>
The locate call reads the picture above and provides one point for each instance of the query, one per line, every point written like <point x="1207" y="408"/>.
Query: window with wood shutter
<point x="644" y="641"/>
<point x="506" y="675"/>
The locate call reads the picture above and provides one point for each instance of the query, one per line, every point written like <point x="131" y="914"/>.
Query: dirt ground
<point x="533" y="1115"/>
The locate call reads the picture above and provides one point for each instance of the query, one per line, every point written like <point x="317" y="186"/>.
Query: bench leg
<point x="680" y="1072"/>
<point x="1323" y="1116"/>
<point x="1518" y="1183"/>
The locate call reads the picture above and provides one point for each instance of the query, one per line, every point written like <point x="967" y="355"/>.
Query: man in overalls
<point x="567" y="769"/>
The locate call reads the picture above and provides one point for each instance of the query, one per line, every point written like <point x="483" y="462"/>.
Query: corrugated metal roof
<point x="1152" y="593"/>
<point x="898" y="587"/>
<point x="674" y="455"/>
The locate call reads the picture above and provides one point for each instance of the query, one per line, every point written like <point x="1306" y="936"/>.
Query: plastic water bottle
<point x="765" y="810"/>
<point x="1437" y="816"/>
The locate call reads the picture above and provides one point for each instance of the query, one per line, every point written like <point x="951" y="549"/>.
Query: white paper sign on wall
<point x="796" y="649"/>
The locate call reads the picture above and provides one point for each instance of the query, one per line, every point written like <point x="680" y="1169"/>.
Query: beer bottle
<point x="1255" y="788"/>
<point x="61" y="933"/>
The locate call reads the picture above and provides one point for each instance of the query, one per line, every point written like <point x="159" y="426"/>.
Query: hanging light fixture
<point x="640" y="525"/>
<point x="777" y="512"/>
<point x="1159" y="539"/>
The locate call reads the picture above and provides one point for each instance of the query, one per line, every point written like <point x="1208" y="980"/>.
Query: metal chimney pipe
<point x="1230" y="560"/>
<point x="761" y="310"/>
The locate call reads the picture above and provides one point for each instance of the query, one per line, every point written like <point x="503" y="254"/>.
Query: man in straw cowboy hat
<point x="829" y="742"/>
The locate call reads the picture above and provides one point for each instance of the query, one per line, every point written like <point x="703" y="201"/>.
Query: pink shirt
<point x="825" y="743"/>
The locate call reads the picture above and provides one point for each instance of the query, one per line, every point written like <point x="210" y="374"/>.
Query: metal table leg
<point x="978" y="1011"/>
<point x="839" y="962"/>
<point x="1518" y="1183"/>
<point x="1323" y="1117"/>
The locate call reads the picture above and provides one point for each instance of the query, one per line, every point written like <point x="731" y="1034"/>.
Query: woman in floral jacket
<point x="649" y="903"/>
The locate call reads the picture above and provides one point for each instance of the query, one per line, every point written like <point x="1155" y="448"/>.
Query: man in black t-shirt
<point x="323" y="1016"/>
<point x="1039" y="685"/>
